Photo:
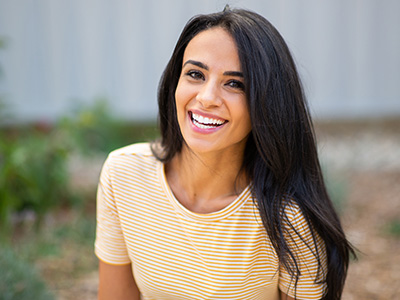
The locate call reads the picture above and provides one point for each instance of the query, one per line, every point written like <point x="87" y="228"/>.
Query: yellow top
<point x="178" y="254"/>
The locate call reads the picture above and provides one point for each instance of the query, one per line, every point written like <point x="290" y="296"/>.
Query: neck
<point x="206" y="182"/>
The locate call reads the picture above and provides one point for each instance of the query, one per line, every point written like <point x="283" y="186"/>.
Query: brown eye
<point x="236" y="84"/>
<point x="195" y="74"/>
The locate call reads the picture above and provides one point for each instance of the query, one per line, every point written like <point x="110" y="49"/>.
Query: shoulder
<point x="297" y="227"/>
<point x="308" y="256"/>
<point x="135" y="158"/>
<point x="301" y="236"/>
<point x="140" y="149"/>
<point x="291" y="211"/>
<point x="132" y="153"/>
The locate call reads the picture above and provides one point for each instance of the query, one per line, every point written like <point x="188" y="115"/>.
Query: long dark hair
<point x="280" y="156"/>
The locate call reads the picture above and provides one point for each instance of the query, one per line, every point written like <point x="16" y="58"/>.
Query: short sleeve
<point x="110" y="245"/>
<point x="311" y="283"/>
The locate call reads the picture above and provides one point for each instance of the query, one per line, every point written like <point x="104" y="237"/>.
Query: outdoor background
<point x="79" y="79"/>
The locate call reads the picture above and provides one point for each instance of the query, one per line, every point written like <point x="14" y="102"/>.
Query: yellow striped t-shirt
<point x="177" y="254"/>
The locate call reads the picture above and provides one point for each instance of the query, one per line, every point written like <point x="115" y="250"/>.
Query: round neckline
<point x="213" y="216"/>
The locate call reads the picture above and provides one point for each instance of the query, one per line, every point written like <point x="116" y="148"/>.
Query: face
<point x="210" y="99"/>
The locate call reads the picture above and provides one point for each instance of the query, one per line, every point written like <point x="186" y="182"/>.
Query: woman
<point x="231" y="204"/>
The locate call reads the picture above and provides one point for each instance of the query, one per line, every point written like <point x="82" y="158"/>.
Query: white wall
<point x="60" y="53"/>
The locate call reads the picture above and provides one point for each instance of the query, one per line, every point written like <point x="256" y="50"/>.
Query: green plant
<point x="34" y="158"/>
<point x="393" y="228"/>
<point x="19" y="280"/>
<point x="62" y="246"/>
<point x="94" y="129"/>
<point x="33" y="175"/>
<point x="3" y="44"/>
<point x="337" y="188"/>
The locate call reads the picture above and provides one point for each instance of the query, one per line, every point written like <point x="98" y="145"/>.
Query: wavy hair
<point x="280" y="156"/>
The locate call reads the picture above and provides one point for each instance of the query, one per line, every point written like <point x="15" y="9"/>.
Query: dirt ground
<point x="373" y="205"/>
<point x="365" y="159"/>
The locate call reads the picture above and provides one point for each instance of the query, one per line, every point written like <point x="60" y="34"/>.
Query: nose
<point x="209" y="94"/>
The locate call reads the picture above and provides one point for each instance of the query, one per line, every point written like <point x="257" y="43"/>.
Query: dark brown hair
<point x="280" y="156"/>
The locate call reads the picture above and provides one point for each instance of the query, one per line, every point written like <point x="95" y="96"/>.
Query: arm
<point x="285" y="297"/>
<point x="116" y="282"/>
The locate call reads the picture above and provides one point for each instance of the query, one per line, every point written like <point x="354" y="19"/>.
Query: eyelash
<point x="237" y="84"/>
<point x="197" y="75"/>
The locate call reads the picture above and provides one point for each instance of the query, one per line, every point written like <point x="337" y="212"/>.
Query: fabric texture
<point x="178" y="254"/>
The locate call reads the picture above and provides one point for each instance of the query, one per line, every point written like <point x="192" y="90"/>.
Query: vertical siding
<point x="61" y="53"/>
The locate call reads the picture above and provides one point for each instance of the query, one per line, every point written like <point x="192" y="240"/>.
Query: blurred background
<point x="79" y="79"/>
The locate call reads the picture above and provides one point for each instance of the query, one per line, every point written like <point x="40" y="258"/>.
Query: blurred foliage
<point x="42" y="218"/>
<point x="63" y="244"/>
<point x="95" y="129"/>
<point x="393" y="228"/>
<point x="337" y="188"/>
<point x="3" y="44"/>
<point x="34" y="172"/>
<point x="337" y="191"/>
<point x="19" y="280"/>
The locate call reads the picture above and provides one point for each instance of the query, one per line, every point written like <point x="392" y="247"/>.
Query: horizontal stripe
<point x="178" y="254"/>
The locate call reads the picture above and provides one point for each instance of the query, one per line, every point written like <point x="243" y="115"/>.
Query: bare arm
<point x="117" y="282"/>
<point x="285" y="297"/>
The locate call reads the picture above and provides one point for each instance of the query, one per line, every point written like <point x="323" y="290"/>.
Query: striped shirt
<point x="178" y="254"/>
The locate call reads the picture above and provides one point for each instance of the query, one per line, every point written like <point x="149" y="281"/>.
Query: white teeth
<point x="206" y="121"/>
<point x="202" y="126"/>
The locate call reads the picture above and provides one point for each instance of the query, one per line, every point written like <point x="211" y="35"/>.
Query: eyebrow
<point x="234" y="73"/>
<point x="196" y="63"/>
<point x="205" y="67"/>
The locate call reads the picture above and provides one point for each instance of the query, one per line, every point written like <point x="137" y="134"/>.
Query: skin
<point x="210" y="85"/>
<point x="117" y="283"/>
<point x="285" y="297"/>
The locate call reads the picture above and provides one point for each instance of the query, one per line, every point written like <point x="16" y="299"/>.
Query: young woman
<point x="231" y="204"/>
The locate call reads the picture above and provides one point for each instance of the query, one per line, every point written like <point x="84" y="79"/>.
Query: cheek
<point x="179" y="95"/>
<point x="246" y="120"/>
<point x="180" y="103"/>
<point x="183" y="95"/>
<point x="246" y="126"/>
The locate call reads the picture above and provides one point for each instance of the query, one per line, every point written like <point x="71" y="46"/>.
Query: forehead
<point x="213" y="45"/>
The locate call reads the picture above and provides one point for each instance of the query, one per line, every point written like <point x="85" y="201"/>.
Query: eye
<point x="236" y="84"/>
<point x="195" y="74"/>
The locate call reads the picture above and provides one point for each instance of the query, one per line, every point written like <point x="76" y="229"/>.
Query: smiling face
<point x="210" y="99"/>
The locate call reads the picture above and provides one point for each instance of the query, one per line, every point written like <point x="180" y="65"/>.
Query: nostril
<point x="209" y="99"/>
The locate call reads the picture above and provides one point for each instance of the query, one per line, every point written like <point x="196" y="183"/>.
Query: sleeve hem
<point x="120" y="263"/>
<point x="111" y="263"/>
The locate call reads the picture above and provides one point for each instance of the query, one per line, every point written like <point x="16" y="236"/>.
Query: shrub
<point x="34" y="172"/>
<point x="19" y="280"/>
<point x="336" y="183"/>
<point x="94" y="129"/>
<point x="33" y="175"/>
<point x="393" y="228"/>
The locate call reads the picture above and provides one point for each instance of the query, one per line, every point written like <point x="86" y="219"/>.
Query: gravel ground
<point x="374" y="204"/>
<point x="360" y="146"/>
<point x="365" y="158"/>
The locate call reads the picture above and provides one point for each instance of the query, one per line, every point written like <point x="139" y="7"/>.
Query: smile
<point x="205" y="122"/>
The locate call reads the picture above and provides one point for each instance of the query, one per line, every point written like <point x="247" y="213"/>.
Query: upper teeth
<point x="206" y="120"/>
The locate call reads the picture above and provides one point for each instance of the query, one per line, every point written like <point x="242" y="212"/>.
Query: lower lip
<point x="204" y="130"/>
